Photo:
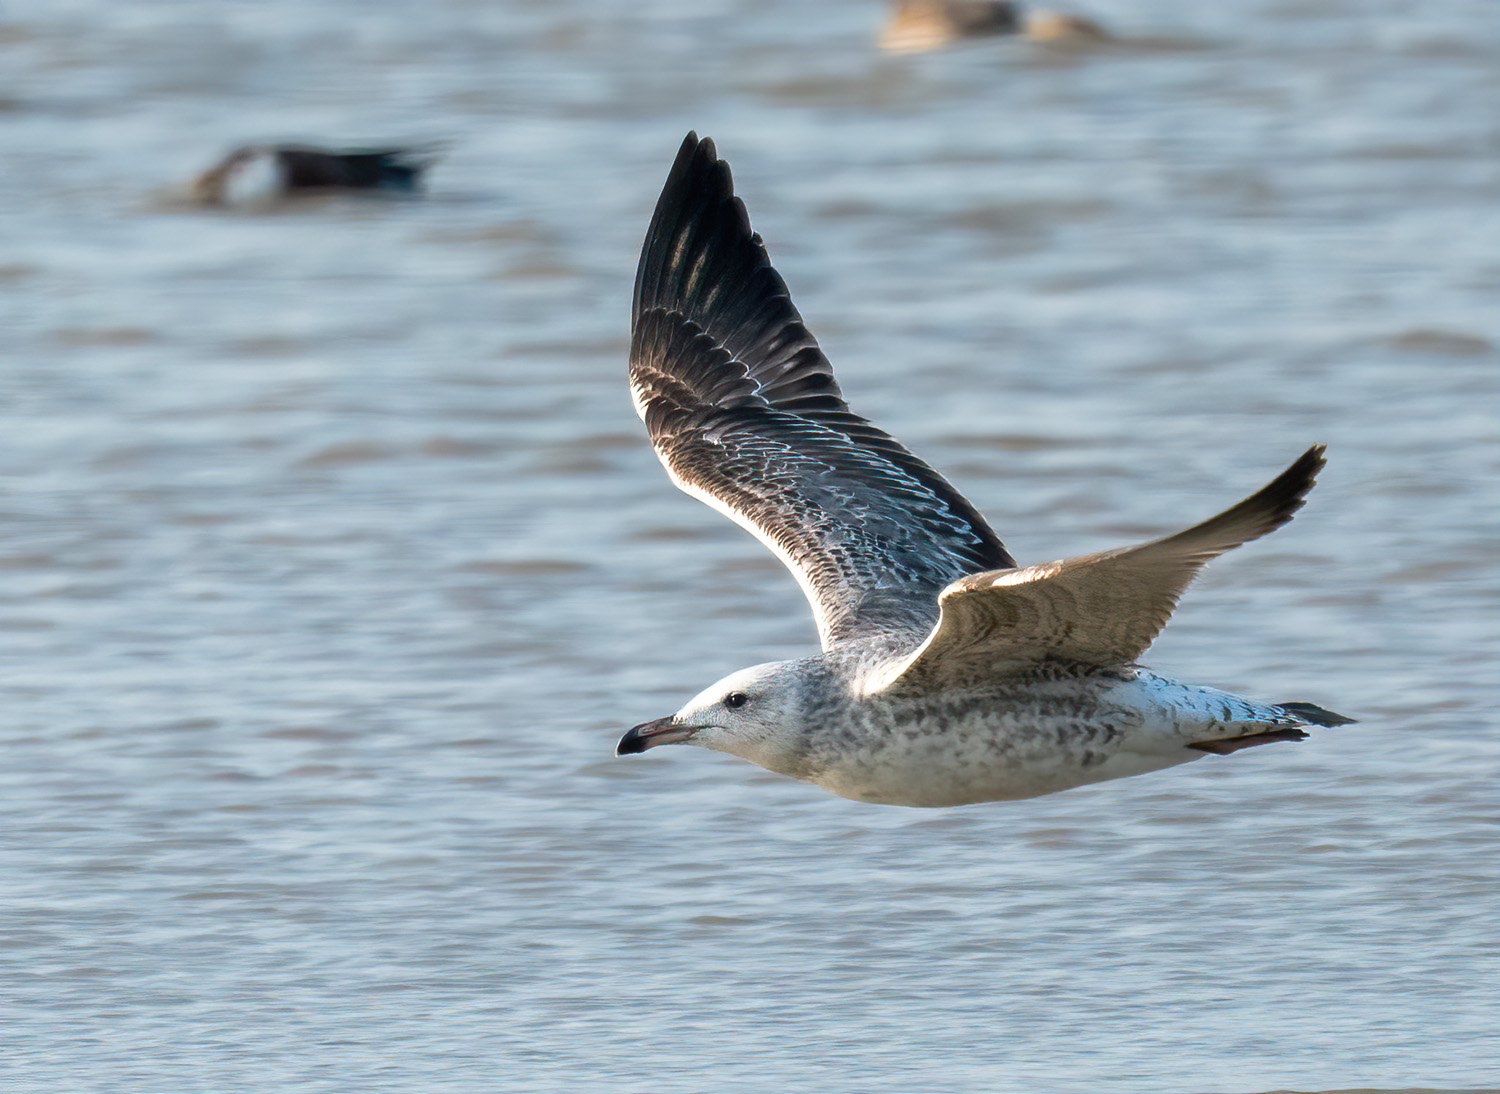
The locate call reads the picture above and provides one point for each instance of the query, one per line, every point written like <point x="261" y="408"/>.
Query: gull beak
<point x="663" y="731"/>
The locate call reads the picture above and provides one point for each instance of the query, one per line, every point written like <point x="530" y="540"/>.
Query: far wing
<point x="744" y="412"/>
<point x="1100" y="609"/>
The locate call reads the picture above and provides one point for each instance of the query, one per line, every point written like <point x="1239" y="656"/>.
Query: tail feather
<point x="1306" y="713"/>
<point x="1315" y="715"/>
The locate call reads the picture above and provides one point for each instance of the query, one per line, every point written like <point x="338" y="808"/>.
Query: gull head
<point x="756" y="713"/>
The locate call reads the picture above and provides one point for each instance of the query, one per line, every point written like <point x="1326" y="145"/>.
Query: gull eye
<point x="736" y="699"/>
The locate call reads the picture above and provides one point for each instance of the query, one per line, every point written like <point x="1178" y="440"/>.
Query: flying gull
<point x="949" y="674"/>
<point x="268" y="172"/>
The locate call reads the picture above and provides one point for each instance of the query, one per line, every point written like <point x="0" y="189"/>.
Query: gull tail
<point x="1306" y="713"/>
<point x="1315" y="715"/>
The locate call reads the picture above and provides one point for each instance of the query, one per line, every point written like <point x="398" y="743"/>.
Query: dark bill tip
<point x="662" y="731"/>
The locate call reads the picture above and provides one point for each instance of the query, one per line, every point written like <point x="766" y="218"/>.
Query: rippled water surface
<point x="334" y="559"/>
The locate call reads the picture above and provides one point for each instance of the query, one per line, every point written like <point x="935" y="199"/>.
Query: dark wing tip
<point x="1287" y="493"/>
<point x="697" y="181"/>
<point x="690" y="146"/>
<point x="1306" y="467"/>
<point x="703" y="263"/>
<point x="696" y="160"/>
<point x="1269" y="507"/>
<point x="1262" y="512"/>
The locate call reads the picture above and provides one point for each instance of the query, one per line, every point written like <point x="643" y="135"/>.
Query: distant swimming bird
<point x="917" y="25"/>
<point x="267" y="172"/>
<point x="948" y="674"/>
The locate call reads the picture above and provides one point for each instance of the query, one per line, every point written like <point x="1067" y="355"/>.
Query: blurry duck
<point x="269" y="172"/>
<point x="917" y="25"/>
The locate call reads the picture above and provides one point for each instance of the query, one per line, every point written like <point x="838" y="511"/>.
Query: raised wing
<point x="744" y="412"/>
<point x="1100" y="609"/>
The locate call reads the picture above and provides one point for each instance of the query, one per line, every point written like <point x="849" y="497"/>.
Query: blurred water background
<point x="334" y="559"/>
